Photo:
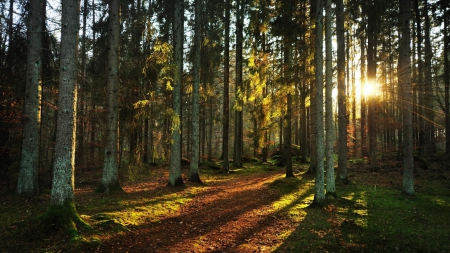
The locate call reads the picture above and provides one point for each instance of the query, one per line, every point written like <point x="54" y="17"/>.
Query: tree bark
<point x="342" y="101"/>
<point x="404" y="72"/>
<point x="319" y="194"/>
<point x="429" y="91"/>
<point x="371" y="75"/>
<point x="238" y="126"/>
<point x="62" y="208"/>
<point x="226" y="90"/>
<point x="175" y="146"/>
<point x="29" y="163"/>
<point x="110" y="177"/>
<point x="329" y="142"/>
<point x="195" y="147"/>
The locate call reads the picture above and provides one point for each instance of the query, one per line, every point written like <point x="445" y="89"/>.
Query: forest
<point x="224" y="126"/>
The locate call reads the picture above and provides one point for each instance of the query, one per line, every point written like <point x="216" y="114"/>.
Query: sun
<point x="370" y="89"/>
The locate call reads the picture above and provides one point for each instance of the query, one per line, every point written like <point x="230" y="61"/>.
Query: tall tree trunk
<point x="429" y="91"/>
<point x="29" y="163"/>
<point x="195" y="155"/>
<point x="319" y="194"/>
<point x="238" y="123"/>
<point x="342" y="101"/>
<point x="110" y="177"/>
<point x="420" y="84"/>
<point x="226" y="90"/>
<point x="329" y="142"/>
<point x="175" y="146"/>
<point x="447" y="79"/>
<point x="404" y="72"/>
<point x="371" y="75"/>
<point x="62" y="207"/>
<point x="312" y="107"/>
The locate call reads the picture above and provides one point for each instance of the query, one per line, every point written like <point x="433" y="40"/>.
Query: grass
<point x="370" y="214"/>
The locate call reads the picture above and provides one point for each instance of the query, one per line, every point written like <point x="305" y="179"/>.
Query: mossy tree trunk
<point x="110" y="180"/>
<point x="29" y="162"/>
<point x="62" y="212"/>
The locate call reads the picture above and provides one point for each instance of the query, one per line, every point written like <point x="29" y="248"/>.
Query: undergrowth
<point x="369" y="214"/>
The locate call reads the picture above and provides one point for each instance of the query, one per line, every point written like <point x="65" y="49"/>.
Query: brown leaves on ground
<point x="230" y="216"/>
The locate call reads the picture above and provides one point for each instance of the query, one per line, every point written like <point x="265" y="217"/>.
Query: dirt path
<point x="231" y="216"/>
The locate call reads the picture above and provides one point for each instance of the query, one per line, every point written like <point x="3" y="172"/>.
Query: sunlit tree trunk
<point x="329" y="143"/>
<point x="62" y="207"/>
<point x="29" y="163"/>
<point x="404" y="72"/>
<point x="319" y="194"/>
<point x="175" y="146"/>
<point x="110" y="175"/>
<point x="193" y="171"/>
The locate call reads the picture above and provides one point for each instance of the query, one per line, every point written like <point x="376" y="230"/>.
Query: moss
<point x="64" y="217"/>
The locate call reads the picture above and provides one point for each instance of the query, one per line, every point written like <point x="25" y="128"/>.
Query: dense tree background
<point x="246" y="73"/>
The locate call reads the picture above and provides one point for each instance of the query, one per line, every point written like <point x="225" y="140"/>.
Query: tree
<point x="371" y="75"/>
<point x="226" y="90"/>
<point x="342" y="108"/>
<point x="429" y="91"/>
<point x="446" y="74"/>
<point x="110" y="180"/>
<point x="193" y="171"/>
<point x="331" y="188"/>
<point x="29" y="163"/>
<point x="404" y="76"/>
<point x="319" y="194"/>
<point x="62" y="211"/>
<point x="175" y="148"/>
<point x="239" y="119"/>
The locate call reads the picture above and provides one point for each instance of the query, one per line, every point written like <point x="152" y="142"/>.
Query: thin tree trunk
<point x="371" y="75"/>
<point x="447" y="80"/>
<point x="175" y="146"/>
<point x="429" y="91"/>
<point x="329" y="142"/>
<point x="404" y="72"/>
<point x="195" y="155"/>
<point x="342" y="101"/>
<point x="238" y="126"/>
<point x="226" y="90"/>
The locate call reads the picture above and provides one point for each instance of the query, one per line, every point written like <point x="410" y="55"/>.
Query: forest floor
<point x="253" y="209"/>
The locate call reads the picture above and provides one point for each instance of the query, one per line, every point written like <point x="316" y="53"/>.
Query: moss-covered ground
<point x="252" y="209"/>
